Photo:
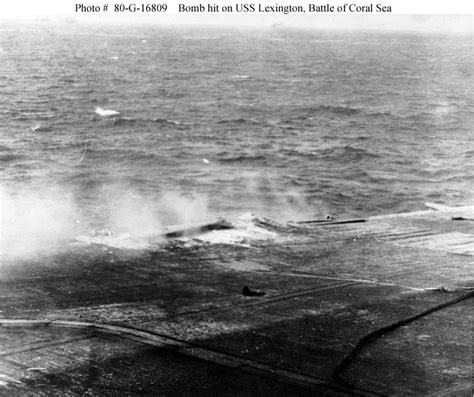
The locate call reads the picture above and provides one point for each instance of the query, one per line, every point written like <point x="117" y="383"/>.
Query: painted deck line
<point x="179" y="346"/>
<point x="42" y="345"/>
<point x="354" y="280"/>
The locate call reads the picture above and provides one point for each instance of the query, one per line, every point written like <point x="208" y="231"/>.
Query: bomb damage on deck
<point x="376" y="306"/>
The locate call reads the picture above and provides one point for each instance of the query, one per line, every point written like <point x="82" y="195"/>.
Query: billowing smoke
<point x="42" y="221"/>
<point x="143" y="215"/>
<point x="268" y="198"/>
<point x="33" y="221"/>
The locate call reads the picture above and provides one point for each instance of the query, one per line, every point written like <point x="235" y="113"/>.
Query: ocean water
<point x="133" y="129"/>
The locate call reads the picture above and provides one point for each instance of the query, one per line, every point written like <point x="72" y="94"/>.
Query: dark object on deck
<point x="246" y="291"/>
<point x="330" y="221"/>
<point x="219" y="225"/>
<point x="460" y="218"/>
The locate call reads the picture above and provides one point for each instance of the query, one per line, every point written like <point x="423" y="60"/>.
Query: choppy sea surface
<point x="133" y="129"/>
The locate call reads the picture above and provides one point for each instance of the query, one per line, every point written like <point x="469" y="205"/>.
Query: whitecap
<point x="38" y="127"/>
<point x="106" y="112"/>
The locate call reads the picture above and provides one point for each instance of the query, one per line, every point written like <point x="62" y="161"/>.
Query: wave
<point x="469" y="154"/>
<point x="106" y="112"/>
<point x="347" y="153"/>
<point x="164" y="93"/>
<point x="346" y="111"/>
<point x="117" y="121"/>
<point x="33" y="115"/>
<point x="338" y="110"/>
<point x="40" y="128"/>
<point x="165" y="121"/>
<point x="338" y="154"/>
<point x="120" y="155"/>
<point x="7" y="157"/>
<point x="240" y="120"/>
<point x="240" y="76"/>
<point x="243" y="158"/>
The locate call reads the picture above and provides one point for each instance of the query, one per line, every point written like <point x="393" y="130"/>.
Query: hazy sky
<point x="423" y="14"/>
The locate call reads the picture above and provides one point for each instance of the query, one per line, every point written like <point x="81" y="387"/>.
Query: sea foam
<point x="106" y="112"/>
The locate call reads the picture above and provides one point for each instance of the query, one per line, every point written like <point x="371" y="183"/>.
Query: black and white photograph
<point x="218" y="198"/>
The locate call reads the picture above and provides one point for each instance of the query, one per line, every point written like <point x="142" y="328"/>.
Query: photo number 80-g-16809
<point x="140" y="8"/>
